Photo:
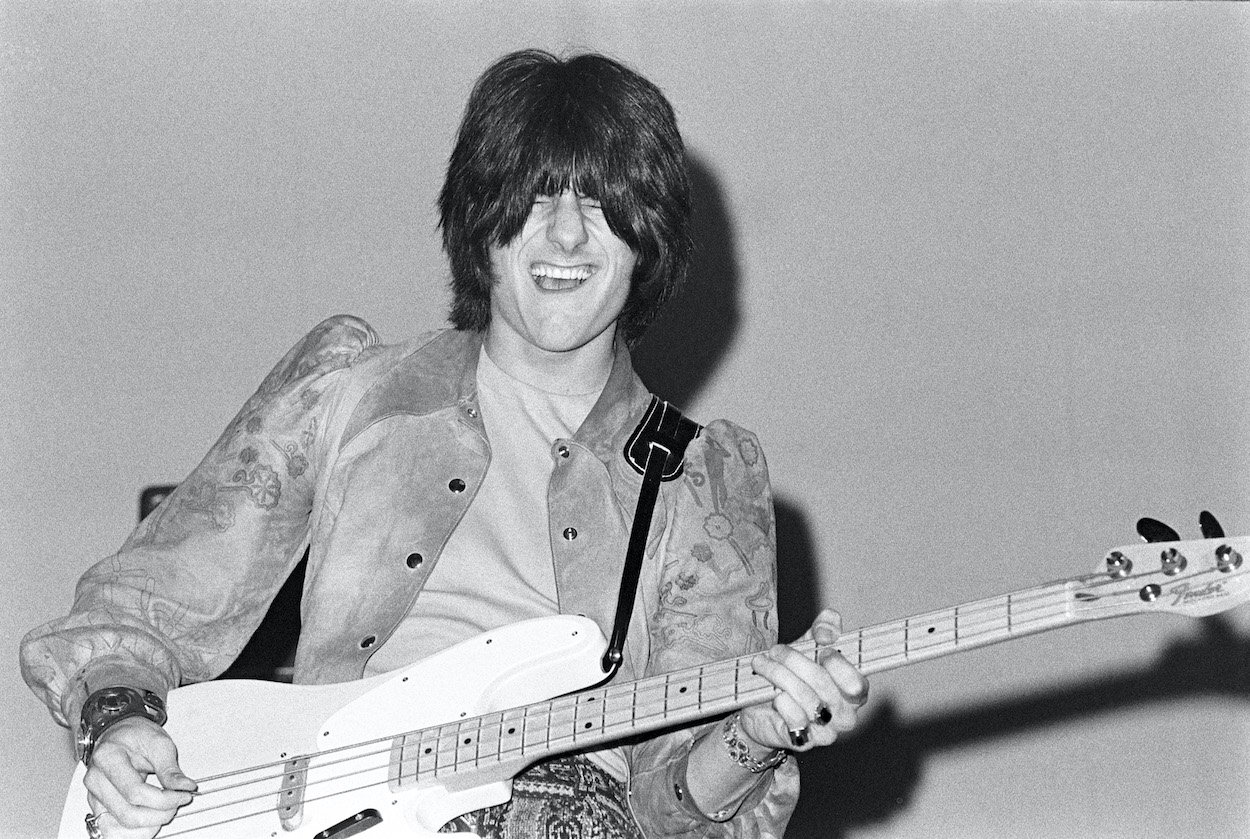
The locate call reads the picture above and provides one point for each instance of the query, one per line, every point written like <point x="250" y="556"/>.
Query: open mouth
<point x="560" y="277"/>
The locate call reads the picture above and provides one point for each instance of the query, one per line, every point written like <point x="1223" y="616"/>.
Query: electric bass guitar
<point x="403" y="753"/>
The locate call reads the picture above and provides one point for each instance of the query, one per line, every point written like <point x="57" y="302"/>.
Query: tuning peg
<point x="1153" y="530"/>
<point x="1210" y="527"/>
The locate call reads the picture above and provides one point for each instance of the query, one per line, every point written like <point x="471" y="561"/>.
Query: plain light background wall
<point x="976" y="274"/>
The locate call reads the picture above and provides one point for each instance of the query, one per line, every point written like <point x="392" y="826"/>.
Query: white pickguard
<point x="222" y="727"/>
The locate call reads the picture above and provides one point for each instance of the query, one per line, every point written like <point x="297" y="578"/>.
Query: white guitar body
<point x="223" y="725"/>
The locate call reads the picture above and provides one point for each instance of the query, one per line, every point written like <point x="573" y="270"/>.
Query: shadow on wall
<point x="869" y="775"/>
<point x="684" y="346"/>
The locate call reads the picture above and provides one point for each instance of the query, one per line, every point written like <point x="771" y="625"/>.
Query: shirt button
<point x="456" y="485"/>
<point x="570" y="533"/>
<point x="471" y="411"/>
<point x="563" y="451"/>
<point x="368" y="641"/>
<point x="415" y="560"/>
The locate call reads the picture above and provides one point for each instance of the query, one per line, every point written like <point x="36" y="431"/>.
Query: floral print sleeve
<point x="717" y="599"/>
<point x="180" y="599"/>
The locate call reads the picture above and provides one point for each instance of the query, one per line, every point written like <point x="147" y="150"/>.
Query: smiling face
<point x="561" y="283"/>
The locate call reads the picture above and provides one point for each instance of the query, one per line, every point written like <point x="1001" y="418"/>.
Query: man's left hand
<point x="817" y="701"/>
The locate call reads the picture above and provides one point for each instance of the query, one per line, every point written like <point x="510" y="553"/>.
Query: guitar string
<point x="554" y="745"/>
<point x="554" y="708"/>
<point x="969" y="628"/>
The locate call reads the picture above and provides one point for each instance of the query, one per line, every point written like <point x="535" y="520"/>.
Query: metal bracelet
<point x="741" y="752"/>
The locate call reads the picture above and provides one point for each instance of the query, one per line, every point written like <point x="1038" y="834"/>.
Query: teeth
<point x="560" y="277"/>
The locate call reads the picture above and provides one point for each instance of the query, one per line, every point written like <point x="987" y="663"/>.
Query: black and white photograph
<point x="728" y="419"/>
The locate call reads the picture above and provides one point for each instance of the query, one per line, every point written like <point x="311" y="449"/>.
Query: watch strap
<point x="106" y="707"/>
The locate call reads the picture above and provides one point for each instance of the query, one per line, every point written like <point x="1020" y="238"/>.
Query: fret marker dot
<point x="587" y="725"/>
<point x="512" y="731"/>
<point x="428" y="750"/>
<point x="932" y="629"/>
<point x="468" y="740"/>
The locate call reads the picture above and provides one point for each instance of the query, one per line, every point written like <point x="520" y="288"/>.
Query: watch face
<point x="114" y="700"/>
<point x="110" y="705"/>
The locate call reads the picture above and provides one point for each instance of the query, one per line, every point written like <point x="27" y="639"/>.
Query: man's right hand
<point x="126" y="806"/>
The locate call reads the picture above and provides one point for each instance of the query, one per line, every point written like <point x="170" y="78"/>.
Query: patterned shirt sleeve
<point x="180" y="599"/>
<point x="717" y="600"/>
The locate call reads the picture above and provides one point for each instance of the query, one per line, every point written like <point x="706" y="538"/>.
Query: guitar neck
<point x="888" y="646"/>
<point x="614" y="712"/>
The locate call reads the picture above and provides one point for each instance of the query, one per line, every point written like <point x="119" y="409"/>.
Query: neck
<point x="582" y="370"/>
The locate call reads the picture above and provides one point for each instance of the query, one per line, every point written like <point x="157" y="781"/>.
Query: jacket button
<point x="570" y="533"/>
<point x="414" y="560"/>
<point x="456" y="485"/>
<point x="368" y="641"/>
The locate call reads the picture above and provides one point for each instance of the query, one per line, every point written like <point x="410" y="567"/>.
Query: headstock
<point x="1193" y="577"/>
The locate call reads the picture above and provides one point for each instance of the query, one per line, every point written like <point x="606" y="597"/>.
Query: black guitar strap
<point x="657" y="451"/>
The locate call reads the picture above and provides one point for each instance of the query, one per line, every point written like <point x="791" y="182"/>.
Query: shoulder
<point x="729" y="452"/>
<point x="347" y="342"/>
<point x="725" y="485"/>
<point x="335" y="343"/>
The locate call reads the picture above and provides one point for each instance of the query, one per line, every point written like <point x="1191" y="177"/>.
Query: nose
<point x="566" y="227"/>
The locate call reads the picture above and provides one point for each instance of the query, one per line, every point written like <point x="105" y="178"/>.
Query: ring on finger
<point x="823" y="715"/>
<point x="798" y="736"/>
<point x="93" y="829"/>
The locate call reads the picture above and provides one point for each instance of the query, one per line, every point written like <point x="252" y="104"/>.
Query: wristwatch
<point x="108" y="706"/>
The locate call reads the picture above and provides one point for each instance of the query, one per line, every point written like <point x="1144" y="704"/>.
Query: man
<point x="473" y="478"/>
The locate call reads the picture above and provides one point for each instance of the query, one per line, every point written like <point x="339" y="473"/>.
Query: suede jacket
<point x="371" y="453"/>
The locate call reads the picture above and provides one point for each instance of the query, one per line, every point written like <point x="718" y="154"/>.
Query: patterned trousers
<point x="565" y="798"/>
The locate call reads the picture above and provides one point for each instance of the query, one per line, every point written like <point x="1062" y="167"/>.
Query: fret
<point x="890" y="645"/>
<point x="1009" y="599"/>
<point x="589" y="714"/>
<point x="445" y="747"/>
<point x="409" y="758"/>
<point x="620" y="708"/>
<point x="717" y="684"/>
<point x="511" y="732"/>
<point x="466" y="753"/>
<point x="426" y="745"/>
<point x="562" y="721"/>
<point x="477" y="743"/>
<point x="680" y="695"/>
<point x="843" y="649"/>
<point x="930" y="636"/>
<point x="536" y="736"/>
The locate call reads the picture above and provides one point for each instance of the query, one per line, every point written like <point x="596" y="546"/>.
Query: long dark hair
<point x="533" y="125"/>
